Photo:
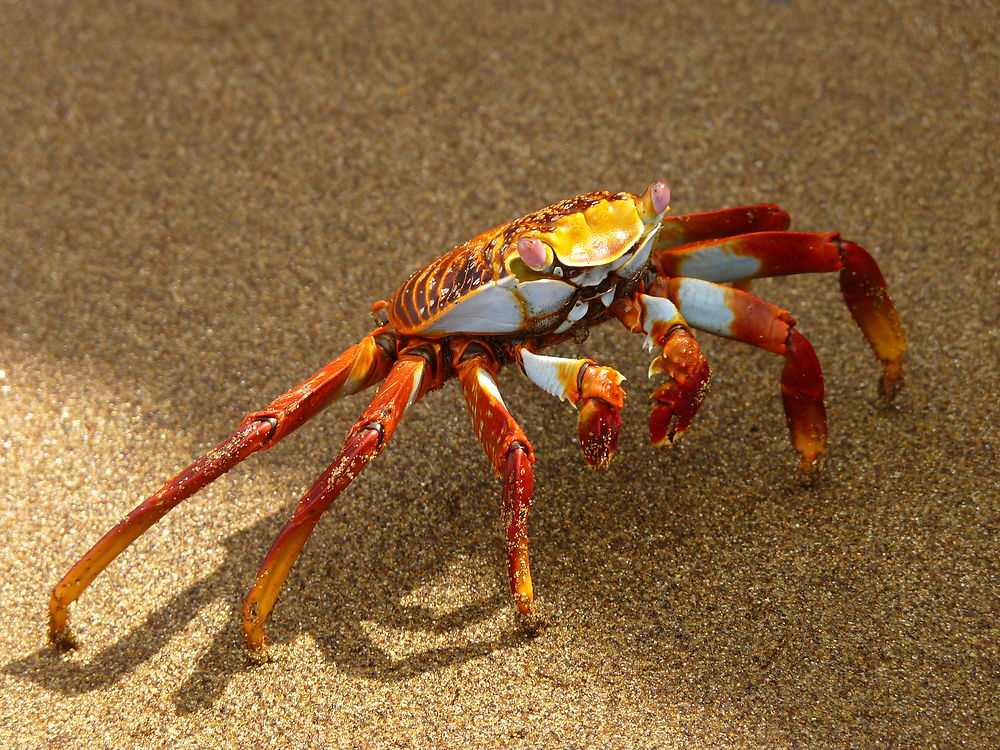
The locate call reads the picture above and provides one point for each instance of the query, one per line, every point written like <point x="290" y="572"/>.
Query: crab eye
<point x="655" y="200"/>
<point x="535" y="253"/>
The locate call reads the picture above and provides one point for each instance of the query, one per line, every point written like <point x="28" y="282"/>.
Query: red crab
<point x="502" y="298"/>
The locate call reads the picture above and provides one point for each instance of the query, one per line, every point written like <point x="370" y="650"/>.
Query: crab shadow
<point x="337" y="618"/>
<point x="647" y="571"/>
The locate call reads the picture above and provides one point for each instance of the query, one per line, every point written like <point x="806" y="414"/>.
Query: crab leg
<point x="727" y="222"/>
<point x="781" y="253"/>
<point x="511" y="455"/>
<point x="359" y="367"/>
<point x="595" y="389"/>
<point x="735" y="314"/>
<point x="688" y="374"/>
<point x="403" y="386"/>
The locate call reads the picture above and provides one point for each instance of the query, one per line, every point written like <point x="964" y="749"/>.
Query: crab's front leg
<point x="676" y="401"/>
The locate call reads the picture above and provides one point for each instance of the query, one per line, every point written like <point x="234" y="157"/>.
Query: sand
<point x="198" y="204"/>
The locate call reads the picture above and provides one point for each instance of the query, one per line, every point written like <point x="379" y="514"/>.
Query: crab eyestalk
<point x="654" y="202"/>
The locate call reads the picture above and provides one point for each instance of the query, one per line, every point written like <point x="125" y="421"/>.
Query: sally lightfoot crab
<point x="510" y="293"/>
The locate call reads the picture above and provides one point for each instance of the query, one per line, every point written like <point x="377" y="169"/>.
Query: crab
<point x="507" y="295"/>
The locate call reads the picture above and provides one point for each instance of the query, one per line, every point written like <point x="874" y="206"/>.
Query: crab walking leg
<point x="676" y="401"/>
<point x="357" y="368"/>
<point x="738" y="315"/>
<point x="594" y="389"/>
<point x="509" y="451"/>
<point x="782" y="253"/>
<point x="727" y="222"/>
<point x="403" y="386"/>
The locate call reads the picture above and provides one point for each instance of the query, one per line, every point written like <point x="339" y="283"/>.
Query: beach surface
<point x="199" y="203"/>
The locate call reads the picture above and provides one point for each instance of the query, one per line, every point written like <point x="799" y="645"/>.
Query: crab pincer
<point x="599" y="418"/>
<point x="676" y="402"/>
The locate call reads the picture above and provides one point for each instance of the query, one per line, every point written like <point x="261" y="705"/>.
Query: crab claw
<point x="677" y="400"/>
<point x="598" y="424"/>
<point x="599" y="420"/>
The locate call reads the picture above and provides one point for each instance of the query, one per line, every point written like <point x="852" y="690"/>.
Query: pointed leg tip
<point x="530" y="623"/>
<point x="63" y="639"/>
<point x="526" y="612"/>
<point x="808" y="472"/>
<point x="255" y="636"/>
<point x="60" y="635"/>
<point x="889" y="386"/>
<point x="262" y="654"/>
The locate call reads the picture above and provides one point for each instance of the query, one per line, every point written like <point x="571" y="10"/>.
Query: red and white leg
<point x="676" y="401"/>
<point x="726" y="222"/>
<point x="511" y="455"/>
<point x="410" y="377"/>
<point x="763" y="254"/>
<point x="359" y="367"/>
<point x="594" y="389"/>
<point x="738" y="315"/>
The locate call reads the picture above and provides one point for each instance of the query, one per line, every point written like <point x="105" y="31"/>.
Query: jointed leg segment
<point x="763" y="254"/>
<point x="736" y="314"/>
<point x="726" y="222"/>
<point x="357" y="368"/>
<point x="510" y="453"/>
<point x="403" y="386"/>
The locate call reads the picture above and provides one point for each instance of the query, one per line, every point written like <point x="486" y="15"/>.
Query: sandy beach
<point x="199" y="203"/>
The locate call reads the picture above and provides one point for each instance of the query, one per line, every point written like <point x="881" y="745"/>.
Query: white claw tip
<point x="659" y="192"/>
<point x="532" y="252"/>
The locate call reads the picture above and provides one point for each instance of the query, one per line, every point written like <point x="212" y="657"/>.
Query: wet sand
<point x="198" y="206"/>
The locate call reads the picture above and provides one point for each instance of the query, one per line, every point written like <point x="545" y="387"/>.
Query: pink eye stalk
<point x="660" y="193"/>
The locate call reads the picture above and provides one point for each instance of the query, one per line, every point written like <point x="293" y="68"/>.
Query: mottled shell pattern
<point x="589" y="244"/>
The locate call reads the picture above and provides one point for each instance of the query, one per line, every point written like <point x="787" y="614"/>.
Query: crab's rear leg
<point x="738" y="315"/>
<point x="411" y="376"/>
<point x="594" y="389"/>
<point x="359" y="367"/>
<point x="763" y="254"/>
<point x="676" y="401"/>
<point x="511" y="455"/>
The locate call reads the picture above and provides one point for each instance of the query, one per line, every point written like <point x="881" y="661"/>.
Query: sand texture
<point x="199" y="201"/>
